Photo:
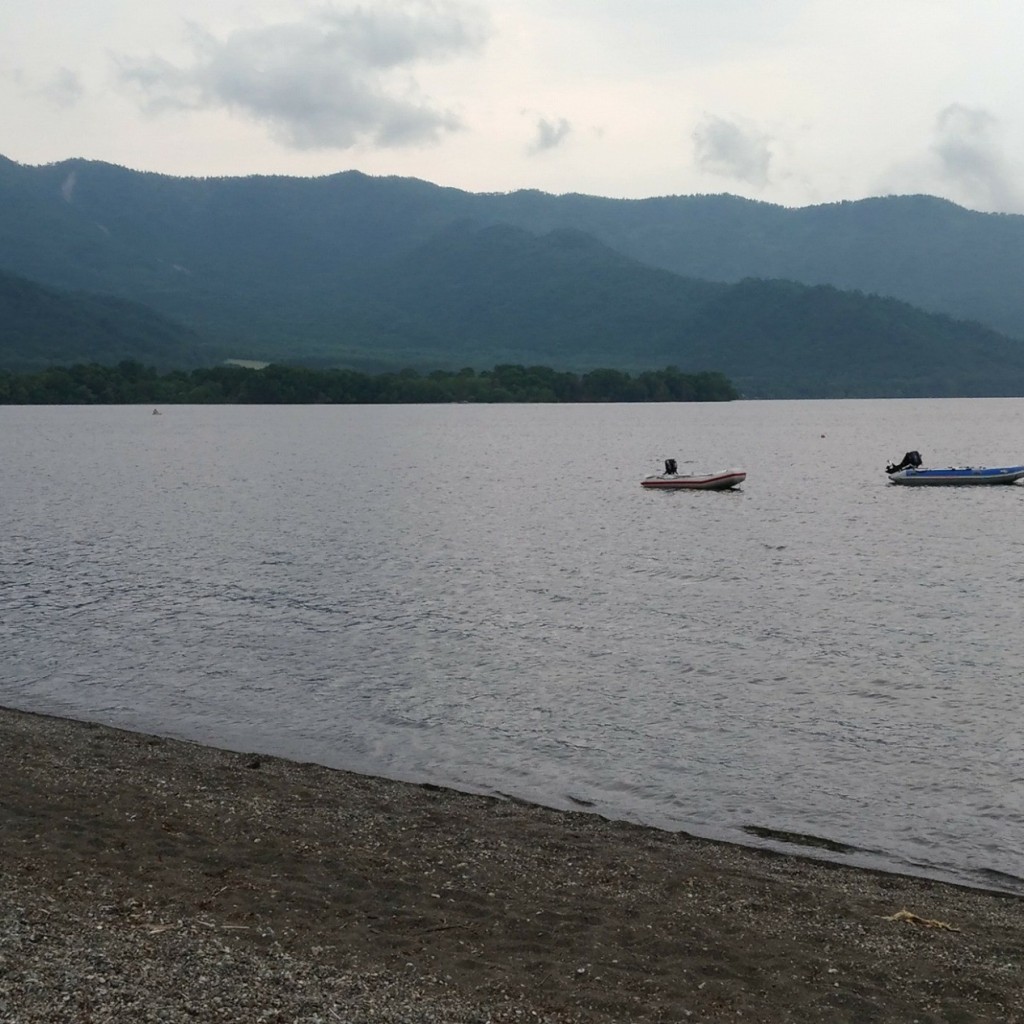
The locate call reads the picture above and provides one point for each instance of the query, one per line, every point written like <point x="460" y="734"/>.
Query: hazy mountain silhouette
<point x="380" y="272"/>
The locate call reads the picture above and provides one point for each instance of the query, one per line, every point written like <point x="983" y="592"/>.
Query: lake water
<point x="483" y="597"/>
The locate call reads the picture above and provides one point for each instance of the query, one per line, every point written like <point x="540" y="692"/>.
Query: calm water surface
<point x="484" y="597"/>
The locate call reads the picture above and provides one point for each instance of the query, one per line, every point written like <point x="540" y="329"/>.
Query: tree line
<point x="130" y="382"/>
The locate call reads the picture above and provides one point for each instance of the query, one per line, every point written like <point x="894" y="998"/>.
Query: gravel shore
<point x="151" y="880"/>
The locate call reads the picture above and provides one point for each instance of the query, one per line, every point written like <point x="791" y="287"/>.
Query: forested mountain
<point x="376" y="273"/>
<point x="42" y="326"/>
<point x="919" y="249"/>
<point x="547" y="299"/>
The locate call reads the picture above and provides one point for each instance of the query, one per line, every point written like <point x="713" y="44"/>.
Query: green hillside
<point x="562" y="299"/>
<point x="379" y="273"/>
<point x="42" y="327"/>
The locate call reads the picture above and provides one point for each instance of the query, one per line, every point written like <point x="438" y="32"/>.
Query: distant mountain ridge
<point x="42" y="326"/>
<point x="379" y="272"/>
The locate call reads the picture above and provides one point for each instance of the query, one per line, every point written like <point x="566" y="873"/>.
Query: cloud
<point x="64" y="89"/>
<point x="968" y="154"/>
<point x="732" y="150"/>
<point x="338" y="78"/>
<point x="550" y="134"/>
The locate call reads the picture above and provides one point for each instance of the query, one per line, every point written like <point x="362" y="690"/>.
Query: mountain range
<point x="898" y="296"/>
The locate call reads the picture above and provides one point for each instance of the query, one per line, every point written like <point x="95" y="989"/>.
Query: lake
<point x="483" y="597"/>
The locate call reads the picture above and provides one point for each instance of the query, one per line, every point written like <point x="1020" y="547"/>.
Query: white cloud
<point x="970" y="158"/>
<point x="337" y="78"/>
<point x="816" y="100"/>
<point x="732" y="150"/>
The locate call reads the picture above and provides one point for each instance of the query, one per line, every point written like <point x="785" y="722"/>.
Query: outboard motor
<point x="670" y="467"/>
<point x="911" y="460"/>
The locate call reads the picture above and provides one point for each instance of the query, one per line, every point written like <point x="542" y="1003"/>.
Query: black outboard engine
<point x="911" y="460"/>
<point x="670" y="467"/>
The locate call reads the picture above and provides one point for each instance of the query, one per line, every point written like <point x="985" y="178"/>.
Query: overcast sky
<point x="789" y="101"/>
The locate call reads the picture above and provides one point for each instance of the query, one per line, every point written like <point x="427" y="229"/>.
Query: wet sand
<point x="151" y="879"/>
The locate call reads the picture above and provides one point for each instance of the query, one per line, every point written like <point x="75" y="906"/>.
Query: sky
<point x="793" y="102"/>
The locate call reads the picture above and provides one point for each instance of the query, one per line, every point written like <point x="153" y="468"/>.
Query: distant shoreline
<point x="131" y="383"/>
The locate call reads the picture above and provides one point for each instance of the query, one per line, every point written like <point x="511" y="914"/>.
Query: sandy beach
<point x="147" y="879"/>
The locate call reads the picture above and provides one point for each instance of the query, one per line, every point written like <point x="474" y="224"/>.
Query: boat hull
<point x="966" y="477"/>
<point x="708" y="482"/>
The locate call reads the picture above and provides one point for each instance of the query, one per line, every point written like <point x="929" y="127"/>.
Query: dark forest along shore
<point x="483" y="598"/>
<point x="147" y="879"/>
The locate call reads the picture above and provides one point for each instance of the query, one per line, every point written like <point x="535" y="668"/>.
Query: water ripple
<point x="817" y="662"/>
